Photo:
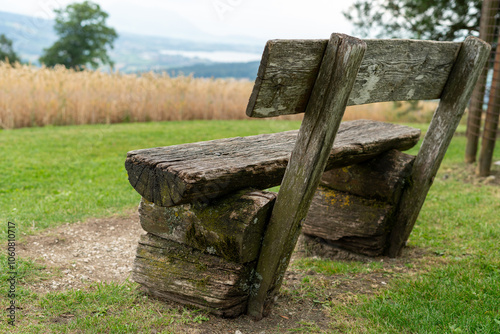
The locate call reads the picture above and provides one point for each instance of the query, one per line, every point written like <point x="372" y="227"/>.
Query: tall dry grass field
<point x="31" y="96"/>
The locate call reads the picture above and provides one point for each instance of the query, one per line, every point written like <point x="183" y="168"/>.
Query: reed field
<point x="34" y="97"/>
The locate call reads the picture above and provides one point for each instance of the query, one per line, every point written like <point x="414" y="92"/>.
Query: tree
<point x="421" y="19"/>
<point x="444" y="20"/>
<point x="6" y="50"/>
<point x="84" y="38"/>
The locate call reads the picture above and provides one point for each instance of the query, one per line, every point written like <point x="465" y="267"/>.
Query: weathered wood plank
<point x="179" y="273"/>
<point x="380" y="178"/>
<point x="470" y="61"/>
<point x="392" y="70"/>
<point x="231" y="227"/>
<point x="353" y="207"/>
<point x="316" y="246"/>
<point x="173" y="175"/>
<point x="322" y="119"/>
<point x="349" y="221"/>
<point x="285" y="76"/>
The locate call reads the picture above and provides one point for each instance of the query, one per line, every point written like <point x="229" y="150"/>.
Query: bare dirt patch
<point x="103" y="250"/>
<point x="98" y="250"/>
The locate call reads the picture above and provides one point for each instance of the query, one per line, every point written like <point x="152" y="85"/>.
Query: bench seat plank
<point x="203" y="171"/>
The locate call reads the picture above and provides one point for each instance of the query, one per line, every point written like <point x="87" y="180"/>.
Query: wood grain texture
<point x="322" y="119"/>
<point x="176" y="272"/>
<point x="348" y="221"/>
<point x="456" y="94"/>
<point x="286" y="76"/>
<point x="392" y="70"/>
<point x="353" y="208"/>
<point x="230" y="227"/>
<point x="317" y="247"/>
<point x="381" y="178"/>
<point x="173" y="175"/>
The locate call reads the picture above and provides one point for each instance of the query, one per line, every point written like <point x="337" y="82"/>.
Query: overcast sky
<point x="260" y="19"/>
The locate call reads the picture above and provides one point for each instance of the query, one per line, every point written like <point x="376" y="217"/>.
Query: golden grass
<point x="415" y="112"/>
<point x="31" y="96"/>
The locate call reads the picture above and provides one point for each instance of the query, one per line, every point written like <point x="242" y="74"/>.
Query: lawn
<point x="57" y="175"/>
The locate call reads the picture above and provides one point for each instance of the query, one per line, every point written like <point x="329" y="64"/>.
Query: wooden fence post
<point x="491" y="121"/>
<point x="487" y="33"/>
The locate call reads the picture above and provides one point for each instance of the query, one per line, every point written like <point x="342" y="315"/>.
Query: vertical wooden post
<point x="491" y="121"/>
<point x="323" y="114"/>
<point x="456" y="94"/>
<point x="487" y="32"/>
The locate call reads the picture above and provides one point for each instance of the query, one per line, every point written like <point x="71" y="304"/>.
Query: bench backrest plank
<point x="392" y="70"/>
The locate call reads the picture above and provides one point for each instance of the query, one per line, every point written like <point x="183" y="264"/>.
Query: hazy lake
<point x="216" y="56"/>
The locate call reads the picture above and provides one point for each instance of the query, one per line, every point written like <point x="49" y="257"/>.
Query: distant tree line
<point x="442" y="20"/>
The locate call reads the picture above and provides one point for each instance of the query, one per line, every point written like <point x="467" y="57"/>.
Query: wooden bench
<point x="217" y="240"/>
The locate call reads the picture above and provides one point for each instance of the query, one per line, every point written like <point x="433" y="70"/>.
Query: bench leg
<point x="203" y="255"/>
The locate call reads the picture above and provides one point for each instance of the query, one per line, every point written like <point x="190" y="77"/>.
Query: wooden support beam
<point x="324" y="112"/>
<point x="455" y="97"/>
<point x="353" y="208"/>
<point x="348" y="221"/>
<point x="381" y="178"/>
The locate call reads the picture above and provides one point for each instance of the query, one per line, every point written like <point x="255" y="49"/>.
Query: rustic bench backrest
<point x="391" y="70"/>
<point x="321" y="78"/>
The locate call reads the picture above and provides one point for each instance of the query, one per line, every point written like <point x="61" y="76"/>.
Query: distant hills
<point x="139" y="53"/>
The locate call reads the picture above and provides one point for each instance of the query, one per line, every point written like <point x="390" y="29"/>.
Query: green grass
<point x="55" y="175"/>
<point x="101" y="308"/>
<point x="461" y="297"/>
<point x="327" y="267"/>
<point x="460" y="291"/>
